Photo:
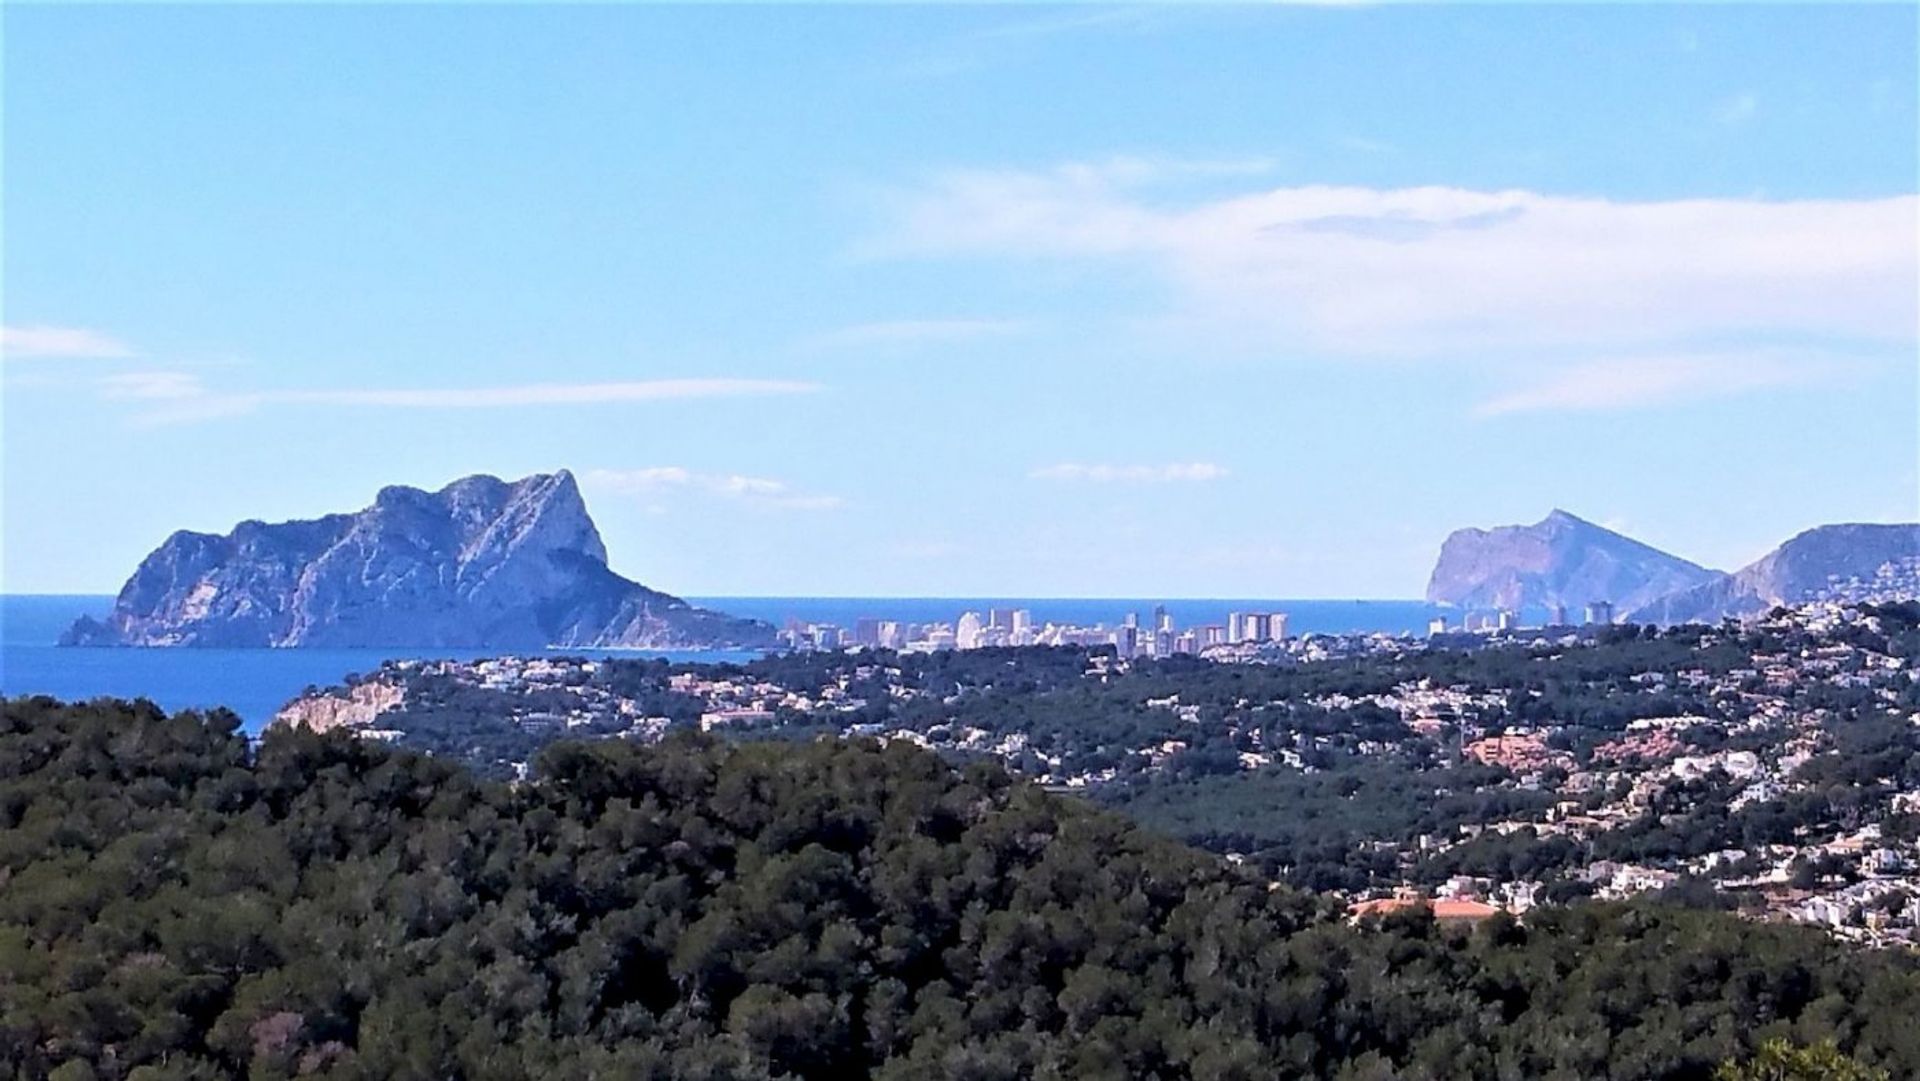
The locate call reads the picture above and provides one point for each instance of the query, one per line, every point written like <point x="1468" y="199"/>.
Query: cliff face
<point x="1836" y="562"/>
<point x="479" y="564"/>
<point x="351" y="708"/>
<point x="1559" y="560"/>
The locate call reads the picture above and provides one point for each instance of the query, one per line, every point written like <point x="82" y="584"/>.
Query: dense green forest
<point x="1364" y="787"/>
<point x="177" y="904"/>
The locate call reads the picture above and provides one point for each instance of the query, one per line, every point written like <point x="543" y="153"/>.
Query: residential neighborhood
<point x="1772" y="766"/>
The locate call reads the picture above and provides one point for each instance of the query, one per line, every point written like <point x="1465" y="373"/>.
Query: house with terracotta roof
<point x="1446" y="910"/>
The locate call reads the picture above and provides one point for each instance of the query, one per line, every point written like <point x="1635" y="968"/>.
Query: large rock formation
<point x="479" y="564"/>
<point x="1560" y="560"/>
<point x="1834" y="562"/>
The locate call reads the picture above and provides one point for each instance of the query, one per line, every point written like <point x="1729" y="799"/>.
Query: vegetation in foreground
<point x="174" y="904"/>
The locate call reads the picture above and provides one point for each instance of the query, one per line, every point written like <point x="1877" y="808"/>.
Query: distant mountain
<point x="1559" y="560"/>
<point x="1835" y="562"/>
<point x="479" y="564"/>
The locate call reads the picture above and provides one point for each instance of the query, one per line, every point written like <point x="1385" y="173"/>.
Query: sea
<point x="255" y="683"/>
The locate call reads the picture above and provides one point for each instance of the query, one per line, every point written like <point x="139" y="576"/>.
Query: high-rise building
<point x="1132" y="620"/>
<point x="1126" y="640"/>
<point x="1277" y="625"/>
<point x="1212" y="634"/>
<point x="1162" y="621"/>
<point x="892" y="634"/>
<point x="1437" y="625"/>
<point x="1559" y="615"/>
<point x="1000" y="617"/>
<point x="970" y="633"/>
<point x="1021" y="620"/>
<point x="1506" y="620"/>
<point x="866" y="631"/>
<point x="1600" y="612"/>
<point x="1236" y="625"/>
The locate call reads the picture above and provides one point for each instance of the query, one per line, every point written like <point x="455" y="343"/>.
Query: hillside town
<point x="1772" y="766"/>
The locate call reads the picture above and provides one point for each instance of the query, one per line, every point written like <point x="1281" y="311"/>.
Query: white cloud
<point x="168" y="397"/>
<point x="1141" y="169"/>
<point x="903" y="332"/>
<point x="152" y="386"/>
<point x="641" y="480"/>
<point x="1634" y="382"/>
<point x="756" y="491"/>
<point x="1130" y="474"/>
<point x="1736" y="110"/>
<point x="42" y="342"/>
<point x="1367" y="146"/>
<point x="647" y="390"/>
<point x="182" y="396"/>
<point x="1436" y="271"/>
<point x="1069" y="21"/>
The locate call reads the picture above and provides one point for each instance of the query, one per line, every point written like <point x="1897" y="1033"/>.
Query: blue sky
<point x="1069" y="301"/>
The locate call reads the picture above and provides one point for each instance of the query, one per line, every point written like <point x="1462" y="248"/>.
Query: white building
<point x="971" y="632"/>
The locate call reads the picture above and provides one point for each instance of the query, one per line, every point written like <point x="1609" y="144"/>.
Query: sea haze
<point x="255" y="683"/>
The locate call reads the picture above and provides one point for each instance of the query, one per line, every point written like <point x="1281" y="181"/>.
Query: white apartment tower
<point x="971" y="633"/>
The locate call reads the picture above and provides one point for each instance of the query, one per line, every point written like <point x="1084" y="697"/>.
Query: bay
<point x="255" y="683"/>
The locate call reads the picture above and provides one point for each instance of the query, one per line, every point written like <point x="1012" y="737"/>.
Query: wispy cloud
<point x="1071" y="21"/>
<point x="152" y="386"/>
<point x="1736" y="110"/>
<point x="662" y="480"/>
<point x="1367" y="146"/>
<point x="645" y="390"/>
<point x="1435" y="271"/>
<point x="170" y="397"/>
<point x="1638" y="382"/>
<point x="184" y="396"/>
<point x="75" y="343"/>
<point x="909" y="332"/>
<point x="1130" y="474"/>
<point x="983" y="47"/>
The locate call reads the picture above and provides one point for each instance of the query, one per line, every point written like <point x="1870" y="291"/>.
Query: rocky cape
<point x="1559" y="560"/>
<point x="479" y="564"/>
<point x="1851" y="562"/>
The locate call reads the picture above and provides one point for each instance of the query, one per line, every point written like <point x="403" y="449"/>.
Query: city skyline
<point x="1158" y="636"/>
<point x="1088" y="302"/>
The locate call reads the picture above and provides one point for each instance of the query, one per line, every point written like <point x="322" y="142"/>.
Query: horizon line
<point x="697" y="595"/>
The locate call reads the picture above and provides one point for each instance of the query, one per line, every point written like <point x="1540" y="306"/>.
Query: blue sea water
<point x="255" y="683"/>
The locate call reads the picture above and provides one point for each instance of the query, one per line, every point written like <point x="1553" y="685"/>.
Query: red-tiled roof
<point x="1442" y="910"/>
